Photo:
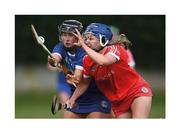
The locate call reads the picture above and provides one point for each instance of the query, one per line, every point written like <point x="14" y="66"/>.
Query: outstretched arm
<point x="80" y="89"/>
<point x="99" y="58"/>
<point x="103" y="60"/>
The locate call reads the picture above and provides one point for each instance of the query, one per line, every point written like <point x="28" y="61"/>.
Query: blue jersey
<point x="69" y="60"/>
<point x="92" y="100"/>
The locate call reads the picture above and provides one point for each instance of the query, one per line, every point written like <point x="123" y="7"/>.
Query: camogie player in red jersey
<point x="130" y="94"/>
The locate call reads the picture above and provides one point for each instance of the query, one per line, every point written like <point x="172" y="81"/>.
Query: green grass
<point x="158" y="104"/>
<point x="34" y="104"/>
<point x="37" y="104"/>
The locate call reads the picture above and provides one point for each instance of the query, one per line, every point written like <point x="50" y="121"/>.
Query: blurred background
<point x="35" y="84"/>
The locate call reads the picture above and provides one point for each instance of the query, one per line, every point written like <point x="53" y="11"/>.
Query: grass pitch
<point x="37" y="104"/>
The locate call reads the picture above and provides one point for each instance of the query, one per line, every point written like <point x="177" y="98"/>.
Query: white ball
<point x="41" y="39"/>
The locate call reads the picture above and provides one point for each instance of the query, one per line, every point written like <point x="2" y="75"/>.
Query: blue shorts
<point x="91" y="101"/>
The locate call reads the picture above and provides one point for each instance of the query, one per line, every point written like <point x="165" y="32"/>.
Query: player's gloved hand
<point x="72" y="79"/>
<point x="52" y="61"/>
<point x="54" y="65"/>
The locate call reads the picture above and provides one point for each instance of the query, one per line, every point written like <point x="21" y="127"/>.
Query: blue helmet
<point x="101" y="31"/>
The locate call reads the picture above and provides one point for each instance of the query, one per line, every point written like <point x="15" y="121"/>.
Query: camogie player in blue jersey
<point x="92" y="104"/>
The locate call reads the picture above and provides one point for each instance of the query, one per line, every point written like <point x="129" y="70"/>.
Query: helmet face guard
<point x="101" y="31"/>
<point x="69" y="26"/>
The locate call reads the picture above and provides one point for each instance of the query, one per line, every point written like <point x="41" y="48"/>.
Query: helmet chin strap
<point x="101" y="43"/>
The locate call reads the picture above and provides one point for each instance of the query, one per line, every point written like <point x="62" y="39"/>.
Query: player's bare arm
<point x="80" y="89"/>
<point x="103" y="60"/>
<point x="75" y="78"/>
<point x="64" y="97"/>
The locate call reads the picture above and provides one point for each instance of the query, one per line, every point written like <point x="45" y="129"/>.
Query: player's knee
<point x="141" y="107"/>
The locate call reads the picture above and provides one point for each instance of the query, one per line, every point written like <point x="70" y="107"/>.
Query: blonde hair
<point x="124" y="41"/>
<point x="121" y="40"/>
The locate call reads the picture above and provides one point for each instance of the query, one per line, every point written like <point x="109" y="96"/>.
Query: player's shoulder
<point x="87" y="59"/>
<point x="58" y="45"/>
<point x="115" y="47"/>
<point x="87" y="63"/>
<point x="112" y="48"/>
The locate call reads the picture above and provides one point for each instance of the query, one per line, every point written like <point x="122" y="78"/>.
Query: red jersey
<point x="131" y="61"/>
<point x="114" y="80"/>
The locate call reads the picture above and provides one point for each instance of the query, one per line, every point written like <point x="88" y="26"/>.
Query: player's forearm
<point x="80" y="89"/>
<point x="78" y="73"/>
<point x="78" y="92"/>
<point x="97" y="57"/>
<point x="63" y="97"/>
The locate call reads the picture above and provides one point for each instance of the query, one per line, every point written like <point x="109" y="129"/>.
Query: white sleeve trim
<point x="79" y="67"/>
<point x="86" y="76"/>
<point x="57" y="54"/>
<point x="113" y="54"/>
<point x="132" y="64"/>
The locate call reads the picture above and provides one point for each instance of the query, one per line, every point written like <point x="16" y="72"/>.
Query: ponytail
<point x="121" y="40"/>
<point x="124" y="41"/>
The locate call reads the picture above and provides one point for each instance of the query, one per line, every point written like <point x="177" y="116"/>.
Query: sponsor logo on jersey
<point x="144" y="90"/>
<point x="104" y="104"/>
